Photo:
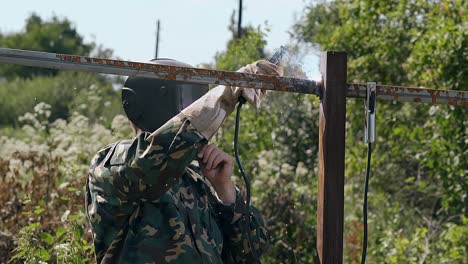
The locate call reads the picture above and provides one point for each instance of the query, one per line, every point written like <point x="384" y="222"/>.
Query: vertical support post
<point x="331" y="157"/>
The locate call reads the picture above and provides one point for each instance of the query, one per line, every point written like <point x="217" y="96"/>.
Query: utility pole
<point x="157" y="40"/>
<point x="239" y="21"/>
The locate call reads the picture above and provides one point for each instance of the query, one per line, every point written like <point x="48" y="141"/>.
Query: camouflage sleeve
<point x="234" y="226"/>
<point x="160" y="158"/>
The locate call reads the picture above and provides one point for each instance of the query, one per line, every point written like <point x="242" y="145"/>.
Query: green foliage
<point x="67" y="92"/>
<point x="418" y="185"/>
<point x="28" y="249"/>
<point x="242" y="51"/>
<point x="397" y="42"/>
<point x="56" y="35"/>
<point x="43" y="168"/>
<point x="281" y="163"/>
<point x="439" y="53"/>
<point x="66" y="245"/>
<point x="284" y="176"/>
<point x="452" y="247"/>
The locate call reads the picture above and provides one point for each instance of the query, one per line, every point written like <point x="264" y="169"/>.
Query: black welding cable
<point x="364" y="206"/>
<point x="246" y="215"/>
<point x="275" y="59"/>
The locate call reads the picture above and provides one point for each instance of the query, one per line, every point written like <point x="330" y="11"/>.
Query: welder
<point x="166" y="196"/>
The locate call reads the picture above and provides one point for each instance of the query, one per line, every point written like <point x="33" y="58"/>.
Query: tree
<point x="66" y="92"/>
<point x="419" y="169"/>
<point x="244" y="50"/>
<point x="55" y="35"/>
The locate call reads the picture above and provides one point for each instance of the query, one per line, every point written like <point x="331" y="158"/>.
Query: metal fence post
<point x="331" y="157"/>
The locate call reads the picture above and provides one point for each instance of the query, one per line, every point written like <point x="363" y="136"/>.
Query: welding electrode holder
<point x="276" y="58"/>
<point x="369" y="129"/>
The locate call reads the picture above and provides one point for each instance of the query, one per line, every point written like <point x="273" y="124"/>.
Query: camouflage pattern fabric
<point x="147" y="203"/>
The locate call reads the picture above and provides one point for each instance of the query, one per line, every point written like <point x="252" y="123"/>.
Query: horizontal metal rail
<point x="174" y="73"/>
<point x="410" y="94"/>
<point x="206" y="76"/>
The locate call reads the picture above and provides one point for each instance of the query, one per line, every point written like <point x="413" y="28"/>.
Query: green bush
<point x="43" y="174"/>
<point x="68" y="92"/>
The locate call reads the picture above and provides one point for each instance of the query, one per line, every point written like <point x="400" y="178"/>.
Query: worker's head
<point x="149" y="103"/>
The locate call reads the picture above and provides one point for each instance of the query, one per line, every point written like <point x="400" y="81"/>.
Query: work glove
<point x="209" y="112"/>
<point x="253" y="96"/>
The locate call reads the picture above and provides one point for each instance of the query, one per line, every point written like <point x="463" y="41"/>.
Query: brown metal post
<point x="331" y="158"/>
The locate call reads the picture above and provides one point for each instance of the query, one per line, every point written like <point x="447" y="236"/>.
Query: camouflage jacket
<point x="147" y="203"/>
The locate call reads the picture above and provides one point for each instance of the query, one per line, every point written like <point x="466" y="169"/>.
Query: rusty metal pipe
<point x="129" y="68"/>
<point x="207" y="76"/>
<point x="410" y="94"/>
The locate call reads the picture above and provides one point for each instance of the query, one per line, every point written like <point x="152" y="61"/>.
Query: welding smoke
<point x="300" y="61"/>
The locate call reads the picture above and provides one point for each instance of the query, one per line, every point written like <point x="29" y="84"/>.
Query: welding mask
<point x="149" y="103"/>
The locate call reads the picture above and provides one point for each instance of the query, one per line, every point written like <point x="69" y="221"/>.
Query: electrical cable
<point x="246" y="214"/>
<point x="364" y="206"/>
<point x="275" y="59"/>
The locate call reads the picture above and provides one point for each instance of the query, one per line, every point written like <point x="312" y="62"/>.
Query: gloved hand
<point x="209" y="112"/>
<point x="264" y="67"/>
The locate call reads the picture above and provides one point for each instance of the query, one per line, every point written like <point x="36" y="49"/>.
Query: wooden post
<point x="331" y="158"/>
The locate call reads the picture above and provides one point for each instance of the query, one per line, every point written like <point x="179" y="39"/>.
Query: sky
<point x="192" y="31"/>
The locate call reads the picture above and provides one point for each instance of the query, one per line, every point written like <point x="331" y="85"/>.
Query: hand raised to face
<point x="217" y="166"/>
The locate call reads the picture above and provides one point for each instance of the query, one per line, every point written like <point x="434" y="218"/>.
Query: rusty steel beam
<point x="411" y="94"/>
<point x="129" y="68"/>
<point x="206" y="76"/>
